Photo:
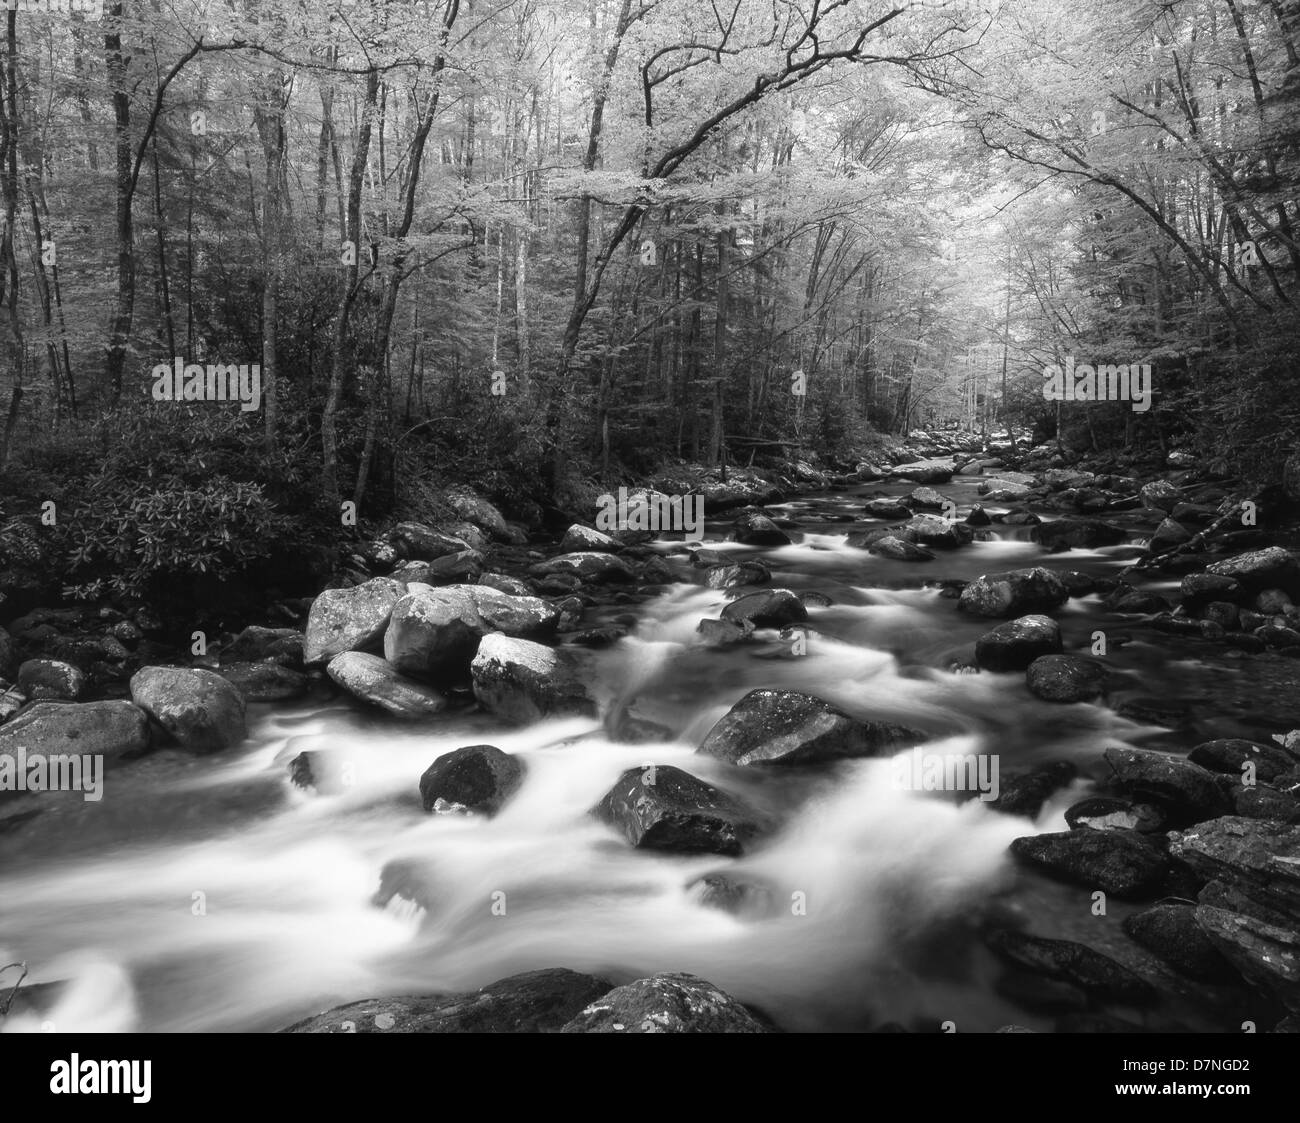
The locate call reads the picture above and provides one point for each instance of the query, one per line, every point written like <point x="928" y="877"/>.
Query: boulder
<point x="1073" y="963"/>
<point x="1230" y="753"/>
<point x="931" y="530"/>
<point x="588" y="566"/>
<point x="898" y="549"/>
<point x="1203" y="588"/>
<point x="256" y="644"/>
<point x="417" y="542"/>
<point x="476" y="778"/>
<point x="522" y="682"/>
<point x="1016" y="592"/>
<point x="583" y="539"/>
<point x="1267" y="955"/>
<point x="1185" y="790"/>
<point x="50" y="680"/>
<point x="1171" y="932"/>
<point x="744" y="573"/>
<point x="887" y="509"/>
<point x="1271" y="568"/>
<point x="378" y="682"/>
<point x="927" y="497"/>
<point x="511" y="586"/>
<point x="1078" y="534"/>
<point x="1026" y="794"/>
<point x="1167" y="536"/>
<point x="199" y="708"/>
<point x="787" y="727"/>
<point x="1117" y="862"/>
<point x="1017" y="643"/>
<point x="113" y="730"/>
<point x="1160" y="495"/>
<point x="660" y="807"/>
<point x="755" y="529"/>
<point x="1103" y="813"/>
<point x="350" y="619"/>
<point x="476" y="510"/>
<point x="1253" y="865"/>
<point x="265" y="682"/>
<point x="771" y="608"/>
<point x="1065" y="678"/>
<point x="667" y="1003"/>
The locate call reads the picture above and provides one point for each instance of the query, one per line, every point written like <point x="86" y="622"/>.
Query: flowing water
<point x="208" y="894"/>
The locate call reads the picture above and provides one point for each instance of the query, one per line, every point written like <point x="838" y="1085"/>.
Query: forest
<point x="535" y="246"/>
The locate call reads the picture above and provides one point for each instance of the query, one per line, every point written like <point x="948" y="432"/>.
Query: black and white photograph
<point x="539" y="517"/>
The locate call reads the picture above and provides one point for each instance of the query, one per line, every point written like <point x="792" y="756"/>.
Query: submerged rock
<point x="660" y="807"/>
<point x="788" y="727"/>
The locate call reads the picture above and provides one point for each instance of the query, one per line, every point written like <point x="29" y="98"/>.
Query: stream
<point x="209" y="894"/>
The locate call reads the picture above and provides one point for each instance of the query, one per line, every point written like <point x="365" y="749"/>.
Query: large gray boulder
<point x="476" y="778"/>
<point x="522" y="682"/>
<point x="199" y="708"/>
<point x="1017" y="643"/>
<point x="113" y="730"/>
<point x="350" y="619"/>
<point x="1015" y="592"/>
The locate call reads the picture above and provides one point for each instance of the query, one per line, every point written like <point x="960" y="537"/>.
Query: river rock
<point x="659" y="807"/>
<point x="771" y="608"/>
<point x="755" y="529"/>
<point x="1267" y="955"/>
<point x="462" y="568"/>
<point x="788" y="727"/>
<point x="1254" y="865"/>
<point x="265" y="682"/>
<point x="522" y="682"/>
<point x="1116" y="862"/>
<point x="256" y="644"/>
<point x="667" y="1003"/>
<point x="1187" y="791"/>
<point x="1103" y="813"/>
<point x="378" y="682"/>
<point x="478" y="511"/>
<point x="112" y="730"/>
<point x="1078" y="534"/>
<point x="1026" y="794"/>
<point x="887" y="509"/>
<point x="1017" y="643"/>
<point x="534" y="1002"/>
<point x="1073" y="963"/>
<point x="1270" y="568"/>
<point x="199" y="708"/>
<point x="898" y="549"/>
<point x="511" y="586"/>
<point x="1065" y="678"/>
<point x="349" y="619"/>
<point x="924" y="472"/>
<point x="1201" y="588"/>
<point x="588" y="566"/>
<point x="583" y="539"/>
<point x="1003" y="491"/>
<point x="927" y="497"/>
<point x="1229" y="754"/>
<point x="475" y="778"/>
<point x="742" y="897"/>
<point x="1160" y="495"/>
<point x="417" y="542"/>
<point x="932" y="530"/>
<point x="1015" y="592"/>
<point x="1168" y="535"/>
<point x="50" y="680"/>
<point x="1171" y="932"/>
<point x="744" y="573"/>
